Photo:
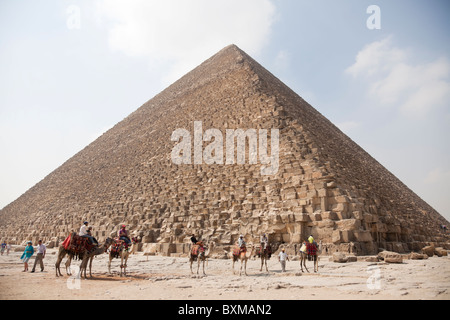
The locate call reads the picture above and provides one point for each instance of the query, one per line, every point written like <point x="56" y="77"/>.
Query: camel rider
<point x="264" y="241"/>
<point x="194" y="239"/>
<point x="85" y="233"/>
<point x="89" y="232"/>
<point x="123" y="235"/>
<point x="241" y="241"/>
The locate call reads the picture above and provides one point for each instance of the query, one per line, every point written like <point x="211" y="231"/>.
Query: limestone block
<point x="329" y="215"/>
<point x="336" y="237"/>
<point x="151" y="248"/>
<point x="440" y="252"/>
<point x="347" y="236"/>
<point x="390" y="257"/>
<point x="327" y="223"/>
<point x="339" y="257"/>
<point x="417" y="256"/>
<point x="301" y="217"/>
<point x="362" y="236"/>
<point x="428" y="250"/>
<point x="348" y="224"/>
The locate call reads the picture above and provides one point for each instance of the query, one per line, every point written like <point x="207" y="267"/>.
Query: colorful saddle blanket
<point x="77" y="245"/>
<point x="267" y="250"/>
<point x="197" y="250"/>
<point x="238" y="250"/>
<point x="117" y="246"/>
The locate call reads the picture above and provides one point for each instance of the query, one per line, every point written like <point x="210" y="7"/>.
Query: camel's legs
<point x="203" y="262"/>
<point x="57" y="264"/>
<point x="83" y="266"/>
<point x="264" y="261"/>
<point x="109" y="264"/>
<point x="245" y="267"/>
<point x="124" y="265"/>
<point x="198" y="264"/>
<point x="232" y="268"/>
<point x="240" y="270"/>
<point x="121" y="263"/>
<point x="304" y="258"/>
<point x="68" y="263"/>
<point x="90" y="266"/>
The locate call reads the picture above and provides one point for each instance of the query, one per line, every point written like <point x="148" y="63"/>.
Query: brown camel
<point x="265" y="254"/>
<point x="62" y="252"/>
<point x="123" y="252"/>
<point x="201" y="254"/>
<point x="236" y="255"/>
<point x="309" y="251"/>
<point x="89" y="256"/>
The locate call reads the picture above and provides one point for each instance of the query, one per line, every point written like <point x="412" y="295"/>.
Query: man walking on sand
<point x="41" y="249"/>
<point x="282" y="257"/>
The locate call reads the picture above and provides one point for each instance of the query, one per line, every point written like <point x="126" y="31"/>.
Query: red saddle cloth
<point x="238" y="250"/>
<point x="197" y="249"/>
<point x="66" y="242"/>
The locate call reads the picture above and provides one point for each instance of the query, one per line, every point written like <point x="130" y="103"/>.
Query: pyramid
<point x="323" y="183"/>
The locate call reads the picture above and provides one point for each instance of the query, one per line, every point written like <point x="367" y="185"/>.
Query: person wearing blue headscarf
<point x="29" y="251"/>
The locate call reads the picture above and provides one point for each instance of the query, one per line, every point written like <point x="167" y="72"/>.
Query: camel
<point x="89" y="256"/>
<point x="123" y="252"/>
<point x="62" y="252"/>
<point x="200" y="255"/>
<point x="265" y="255"/>
<point x="306" y="252"/>
<point x="243" y="257"/>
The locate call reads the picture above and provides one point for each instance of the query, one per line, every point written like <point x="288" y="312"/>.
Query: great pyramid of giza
<point x="324" y="184"/>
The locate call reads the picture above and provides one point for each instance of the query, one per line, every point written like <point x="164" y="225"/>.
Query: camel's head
<point x="108" y="242"/>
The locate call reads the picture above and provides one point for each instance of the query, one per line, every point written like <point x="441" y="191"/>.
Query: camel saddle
<point x="238" y="250"/>
<point x="197" y="249"/>
<point x="77" y="245"/>
<point x="267" y="250"/>
<point x="117" y="247"/>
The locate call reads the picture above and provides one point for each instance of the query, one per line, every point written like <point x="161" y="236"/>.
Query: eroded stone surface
<point x="326" y="184"/>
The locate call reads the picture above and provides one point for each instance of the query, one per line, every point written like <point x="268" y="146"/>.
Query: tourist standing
<point x="3" y="247"/>
<point x="29" y="251"/>
<point x="41" y="249"/>
<point x="282" y="257"/>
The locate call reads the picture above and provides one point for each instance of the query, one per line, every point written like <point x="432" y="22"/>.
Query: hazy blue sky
<point x="70" y="70"/>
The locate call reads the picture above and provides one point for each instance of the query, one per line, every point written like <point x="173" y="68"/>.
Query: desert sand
<point x="169" y="278"/>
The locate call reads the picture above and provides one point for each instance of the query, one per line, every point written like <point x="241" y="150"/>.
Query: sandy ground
<point x="168" y="278"/>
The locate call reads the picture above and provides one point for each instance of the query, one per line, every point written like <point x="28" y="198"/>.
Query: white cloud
<point x="376" y="57"/>
<point x="415" y="89"/>
<point x="184" y="33"/>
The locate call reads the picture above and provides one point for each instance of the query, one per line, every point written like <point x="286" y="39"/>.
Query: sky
<point x="379" y="70"/>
